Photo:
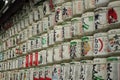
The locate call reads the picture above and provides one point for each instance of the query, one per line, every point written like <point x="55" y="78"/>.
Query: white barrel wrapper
<point x="51" y="36"/>
<point x="31" y="18"/>
<point x="114" y="12"/>
<point x="86" y="68"/>
<point x="39" y="27"/>
<point x="46" y="8"/>
<point x="51" y="20"/>
<point x="29" y="32"/>
<point x="66" y="50"/>
<point x="89" y="4"/>
<point x="56" y="72"/>
<point x="100" y="69"/>
<point x="44" y="40"/>
<point x="18" y="27"/>
<point x="25" y="37"/>
<point x="42" y="73"/>
<point x="101" y="17"/>
<point x="113" y="69"/>
<point x="100" y="44"/>
<point x="64" y="72"/>
<point x="36" y="73"/>
<point x="58" y="1"/>
<point x="22" y="24"/>
<point x="38" y="44"/>
<point x="32" y="44"/>
<point x="88" y="22"/>
<point x="58" y="14"/>
<point x="42" y="57"/>
<point x="87" y="45"/>
<point x="99" y="3"/>
<point x="48" y="72"/>
<point x="67" y="10"/>
<point x="75" y="46"/>
<point x="78" y="6"/>
<point x="49" y="55"/>
<point x="24" y="48"/>
<point x="114" y="40"/>
<point x="45" y="24"/>
<point x="58" y="53"/>
<point x="67" y="30"/>
<point x="58" y="33"/>
<point x="76" y="26"/>
<point x="34" y="31"/>
<point x="40" y="12"/>
<point x="26" y="20"/>
<point x="28" y="45"/>
<point x="73" y="69"/>
<point x="36" y="17"/>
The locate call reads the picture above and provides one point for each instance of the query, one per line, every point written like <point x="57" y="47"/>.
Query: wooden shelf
<point x="111" y="54"/>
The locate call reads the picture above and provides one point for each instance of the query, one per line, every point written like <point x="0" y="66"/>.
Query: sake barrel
<point x="114" y="40"/>
<point x="113" y="68"/>
<point x="86" y="69"/>
<point x="113" y="12"/>
<point x="75" y="46"/>
<point x="101" y="18"/>
<point x="100" y="69"/>
<point x="76" y="26"/>
<point x="88" y="22"/>
<point x="78" y="6"/>
<point x="87" y="46"/>
<point x="100" y="44"/>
